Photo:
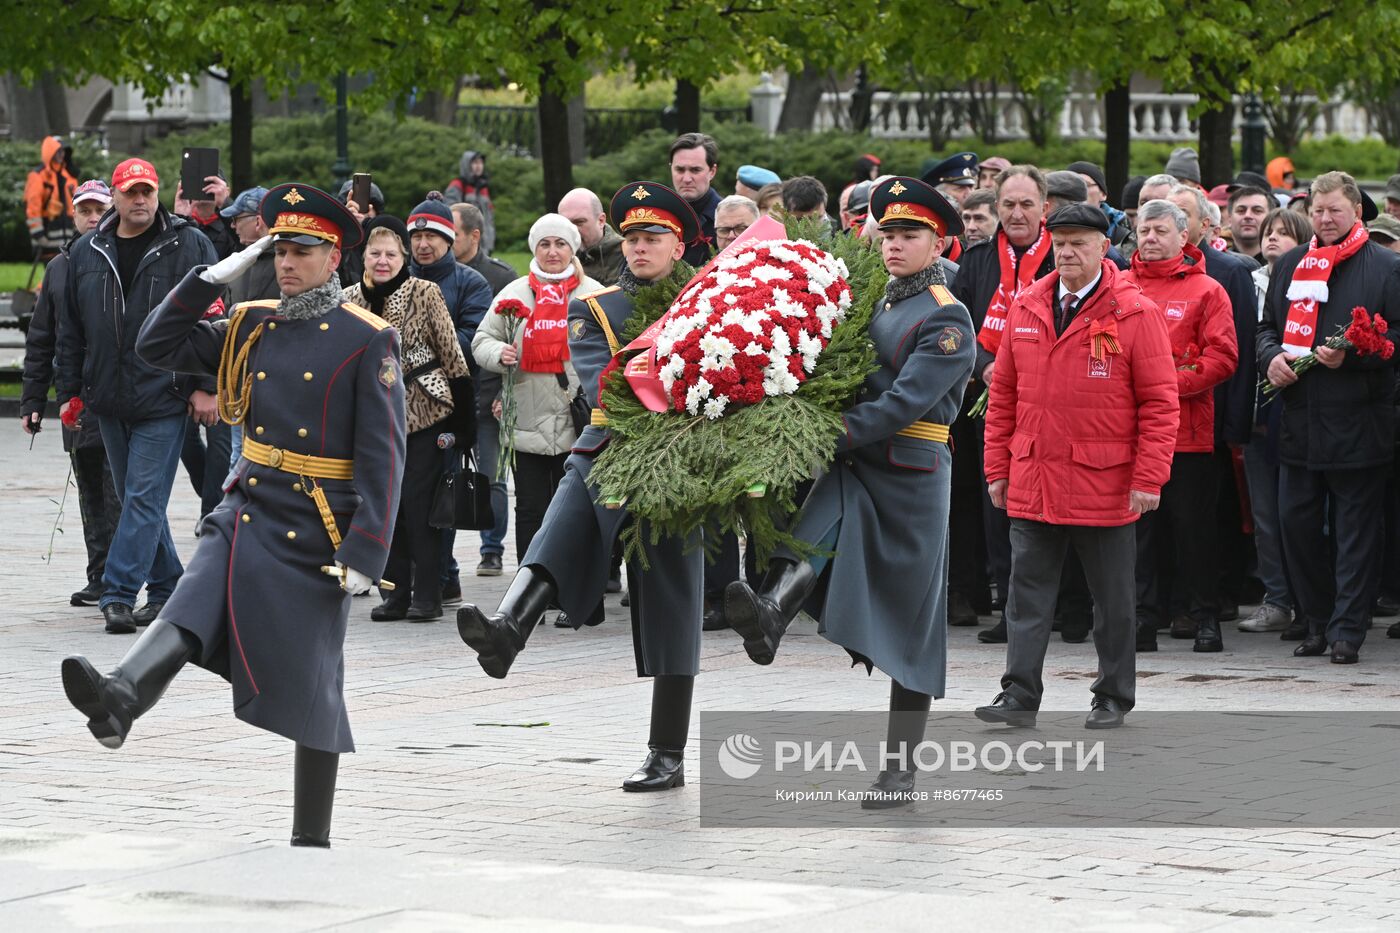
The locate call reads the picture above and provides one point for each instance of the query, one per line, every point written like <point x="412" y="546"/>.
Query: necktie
<point x="1066" y="312"/>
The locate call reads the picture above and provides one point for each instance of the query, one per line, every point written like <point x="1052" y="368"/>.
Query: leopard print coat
<point x="426" y="333"/>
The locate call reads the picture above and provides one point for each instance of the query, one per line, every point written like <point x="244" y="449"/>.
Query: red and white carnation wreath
<point x="751" y="327"/>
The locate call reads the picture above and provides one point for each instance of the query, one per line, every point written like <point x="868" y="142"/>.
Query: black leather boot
<point x="908" y="717"/>
<point x="996" y="635"/>
<point x="664" y="767"/>
<point x="313" y="797"/>
<point x="113" y="701"/>
<point x="498" y="639"/>
<point x="762" y="618"/>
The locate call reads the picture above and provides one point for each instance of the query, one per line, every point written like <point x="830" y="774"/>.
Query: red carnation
<point x="72" y="413"/>
<point x="512" y="307"/>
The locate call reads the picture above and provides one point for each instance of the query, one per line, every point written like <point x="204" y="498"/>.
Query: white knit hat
<point x="554" y="225"/>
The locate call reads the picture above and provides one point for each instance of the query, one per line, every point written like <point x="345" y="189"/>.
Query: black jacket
<point x="1337" y="419"/>
<point x="979" y="274"/>
<point x="699" y="252"/>
<point x="1234" y="398"/>
<point x="97" y="332"/>
<point x="40" y="343"/>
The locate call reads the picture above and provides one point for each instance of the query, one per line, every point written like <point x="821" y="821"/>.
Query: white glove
<point x="226" y="270"/>
<point x="354" y="582"/>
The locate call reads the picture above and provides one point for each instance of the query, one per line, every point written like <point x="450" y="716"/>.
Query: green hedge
<point x="411" y="156"/>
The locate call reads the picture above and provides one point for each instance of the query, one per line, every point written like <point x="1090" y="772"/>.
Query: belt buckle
<point x="274" y="458"/>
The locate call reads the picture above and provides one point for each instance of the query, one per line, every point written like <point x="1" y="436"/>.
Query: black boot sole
<point x="745" y="613"/>
<point x="992" y="637"/>
<point x="81" y="682"/>
<point x="475" y="631"/>
<point x="1207" y="647"/>
<point x="424" y="615"/>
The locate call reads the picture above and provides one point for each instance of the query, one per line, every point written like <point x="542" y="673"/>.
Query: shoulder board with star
<point x="941" y="295"/>
<point x="364" y="314"/>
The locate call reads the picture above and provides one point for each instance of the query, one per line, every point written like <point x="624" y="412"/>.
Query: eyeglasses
<point x="730" y="231"/>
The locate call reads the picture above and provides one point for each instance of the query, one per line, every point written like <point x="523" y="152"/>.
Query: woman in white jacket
<point x="545" y="381"/>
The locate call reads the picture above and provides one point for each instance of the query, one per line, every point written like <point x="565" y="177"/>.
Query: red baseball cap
<point x="135" y="172"/>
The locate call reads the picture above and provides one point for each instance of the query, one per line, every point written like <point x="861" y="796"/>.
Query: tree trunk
<point x="1217" y="156"/>
<point x="1117" y="131"/>
<point x="55" y="105"/>
<point x="687" y="107"/>
<point x="28" y="116"/>
<point x="861" y="96"/>
<point x="240" y="129"/>
<point x="556" y="160"/>
<point x="804" y="95"/>
<point x="578" y="143"/>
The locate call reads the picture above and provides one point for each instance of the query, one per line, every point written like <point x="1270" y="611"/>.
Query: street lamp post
<point x="341" y="168"/>
<point x="1252" y="134"/>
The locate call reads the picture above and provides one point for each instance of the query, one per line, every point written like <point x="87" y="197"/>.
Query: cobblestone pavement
<point x="454" y="813"/>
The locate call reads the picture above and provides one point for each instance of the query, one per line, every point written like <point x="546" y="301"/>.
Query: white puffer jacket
<point x="542" y="423"/>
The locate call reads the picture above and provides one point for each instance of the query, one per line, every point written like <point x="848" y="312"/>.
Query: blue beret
<point x="756" y="177"/>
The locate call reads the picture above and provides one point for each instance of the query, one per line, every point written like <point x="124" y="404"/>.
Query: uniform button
<point x="325" y="326"/>
<point x="291" y="536"/>
<point x="271" y="325"/>
<point x="296" y="487"/>
<point x="252" y="481"/>
<point x="261" y="375"/>
<point x="301" y="432"/>
<point x="306" y="376"/>
<point x="258" y="430"/>
<point x="247" y="517"/>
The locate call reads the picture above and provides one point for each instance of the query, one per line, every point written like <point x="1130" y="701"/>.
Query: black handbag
<point x="462" y="500"/>
<point x="580" y="412"/>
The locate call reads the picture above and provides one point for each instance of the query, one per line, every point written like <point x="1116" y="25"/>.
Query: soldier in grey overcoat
<point x="882" y="507"/>
<point x="318" y="387"/>
<point x="568" y="561"/>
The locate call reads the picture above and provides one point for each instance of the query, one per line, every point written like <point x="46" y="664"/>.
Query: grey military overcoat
<point x="883" y="597"/>
<point x="266" y="618"/>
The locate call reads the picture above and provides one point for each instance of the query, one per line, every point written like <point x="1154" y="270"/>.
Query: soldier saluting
<point x="318" y="388"/>
<point x="568" y="560"/>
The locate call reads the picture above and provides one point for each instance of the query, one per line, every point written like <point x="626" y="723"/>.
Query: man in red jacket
<point x="1201" y="327"/>
<point x="1080" y="432"/>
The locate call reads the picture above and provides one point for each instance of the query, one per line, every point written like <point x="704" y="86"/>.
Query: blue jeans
<point x="235" y="445"/>
<point x="144" y="456"/>
<point x="488" y="451"/>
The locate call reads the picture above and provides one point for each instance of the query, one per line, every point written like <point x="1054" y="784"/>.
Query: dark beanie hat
<point x="1093" y="171"/>
<point x="1131" y="191"/>
<point x="434" y="216"/>
<point x="391" y="222"/>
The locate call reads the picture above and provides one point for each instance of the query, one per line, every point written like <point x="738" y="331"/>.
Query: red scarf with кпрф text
<point x="1308" y="288"/>
<point x="1016" y="274"/>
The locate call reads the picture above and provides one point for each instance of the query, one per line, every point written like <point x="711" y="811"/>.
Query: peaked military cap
<point x="645" y="205"/>
<point x="960" y="169"/>
<point x="299" y="213"/>
<point x="908" y="202"/>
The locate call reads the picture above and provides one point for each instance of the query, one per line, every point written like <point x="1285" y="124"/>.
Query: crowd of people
<point x="1106" y="420"/>
<point x="1256" y="475"/>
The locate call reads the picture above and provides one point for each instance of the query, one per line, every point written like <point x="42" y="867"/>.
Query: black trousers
<point x="207" y="465"/>
<point x="415" y="553"/>
<point x="967" y="551"/>
<point x="1182" y="535"/>
<point x="1334" y="594"/>
<point x="1037" y="558"/>
<point x="98" y="505"/>
<point x="536" y="478"/>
